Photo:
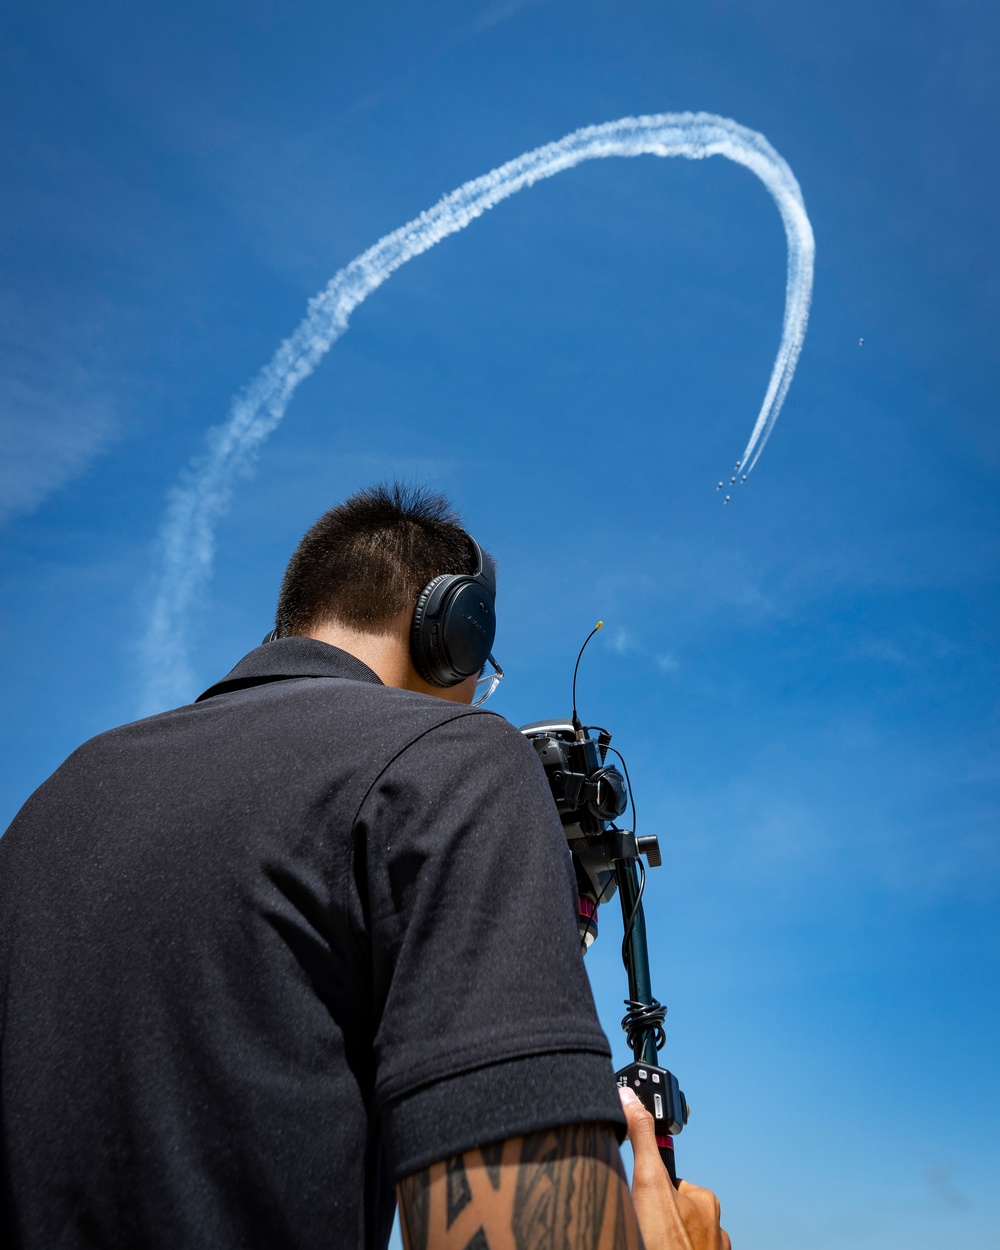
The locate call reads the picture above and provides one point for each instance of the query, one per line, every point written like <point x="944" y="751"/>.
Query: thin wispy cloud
<point x="916" y="648"/>
<point x="939" y="1180"/>
<point x="621" y="641"/>
<point x="46" y="440"/>
<point x="501" y="11"/>
<point x="490" y="16"/>
<point x="696" y="580"/>
<point x="202" y="496"/>
<point x="57" y="414"/>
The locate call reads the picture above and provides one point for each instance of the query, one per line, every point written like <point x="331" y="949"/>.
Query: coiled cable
<point x="642" y="1018"/>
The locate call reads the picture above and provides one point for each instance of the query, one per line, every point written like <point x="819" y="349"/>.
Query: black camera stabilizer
<point x="590" y="794"/>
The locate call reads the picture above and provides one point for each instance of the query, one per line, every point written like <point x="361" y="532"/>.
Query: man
<point x="266" y="956"/>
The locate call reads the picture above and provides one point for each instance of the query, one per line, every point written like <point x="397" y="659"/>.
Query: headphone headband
<point x="484" y="567"/>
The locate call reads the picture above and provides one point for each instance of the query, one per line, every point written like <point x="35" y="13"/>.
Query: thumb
<point x="649" y="1168"/>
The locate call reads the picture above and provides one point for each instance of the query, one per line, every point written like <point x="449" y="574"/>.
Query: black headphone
<point x="454" y="624"/>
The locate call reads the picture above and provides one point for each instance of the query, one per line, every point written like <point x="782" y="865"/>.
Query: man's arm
<point x="562" y="1189"/>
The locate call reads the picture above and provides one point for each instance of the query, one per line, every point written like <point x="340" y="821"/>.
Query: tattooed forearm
<point x="562" y="1188"/>
<point x="621" y="1241"/>
<point x="492" y="1158"/>
<point x="459" y="1193"/>
<point x="414" y="1208"/>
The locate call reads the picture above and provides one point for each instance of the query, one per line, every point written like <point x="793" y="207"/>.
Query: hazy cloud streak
<point x="205" y="489"/>
<point x="46" y="440"/>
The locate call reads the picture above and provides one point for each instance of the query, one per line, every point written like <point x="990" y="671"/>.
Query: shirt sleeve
<point x="485" y="1023"/>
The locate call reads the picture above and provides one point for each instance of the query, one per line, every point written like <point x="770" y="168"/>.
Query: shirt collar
<point x="291" y="657"/>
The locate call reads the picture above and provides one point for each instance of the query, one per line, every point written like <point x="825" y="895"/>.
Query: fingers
<point x="703" y="1199"/>
<point x="709" y="1210"/>
<point x="649" y="1167"/>
<point x="691" y="1211"/>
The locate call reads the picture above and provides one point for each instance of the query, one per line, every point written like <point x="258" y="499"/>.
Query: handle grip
<point x="666" y="1148"/>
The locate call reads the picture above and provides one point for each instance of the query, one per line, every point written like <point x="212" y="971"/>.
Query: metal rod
<point x="639" y="987"/>
<point x="637" y="964"/>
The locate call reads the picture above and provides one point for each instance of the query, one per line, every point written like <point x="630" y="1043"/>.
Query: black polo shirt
<point x="264" y="955"/>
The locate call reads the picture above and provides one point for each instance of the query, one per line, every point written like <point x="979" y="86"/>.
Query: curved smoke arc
<point x="202" y="496"/>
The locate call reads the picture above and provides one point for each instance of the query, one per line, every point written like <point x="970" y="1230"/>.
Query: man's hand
<point x="685" y="1218"/>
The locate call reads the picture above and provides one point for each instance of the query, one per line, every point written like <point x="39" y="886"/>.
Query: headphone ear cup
<point x="468" y="627"/>
<point x="425" y="647"/>
<point x="453" y="627"/>
<point x="454" y="624"/>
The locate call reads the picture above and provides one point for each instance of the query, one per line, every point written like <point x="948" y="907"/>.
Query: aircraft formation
<point x="732" y="481"/>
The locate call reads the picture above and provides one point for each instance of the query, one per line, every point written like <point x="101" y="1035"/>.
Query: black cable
<point x="642" y="867"/>
<point x="635" y="820"/>
<point x="628" y="783"/>
<point x="635" y="911"/>
<point x="643" y="1018"/>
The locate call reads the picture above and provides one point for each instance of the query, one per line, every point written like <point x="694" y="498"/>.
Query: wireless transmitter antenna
<point x="577" y="726"/>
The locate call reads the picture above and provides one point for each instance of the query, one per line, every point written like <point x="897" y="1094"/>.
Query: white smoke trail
<point x="205" y="489"/>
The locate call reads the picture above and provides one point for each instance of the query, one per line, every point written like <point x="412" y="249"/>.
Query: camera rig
<point x="590" y="794"/>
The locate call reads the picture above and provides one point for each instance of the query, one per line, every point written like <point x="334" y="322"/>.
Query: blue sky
<point x="804" y="682"/>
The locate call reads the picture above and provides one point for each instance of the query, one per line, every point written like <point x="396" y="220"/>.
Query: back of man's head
<point x="367" y="560"/>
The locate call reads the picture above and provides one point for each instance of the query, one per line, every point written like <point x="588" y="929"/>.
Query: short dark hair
<point x="366" y="560"/>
